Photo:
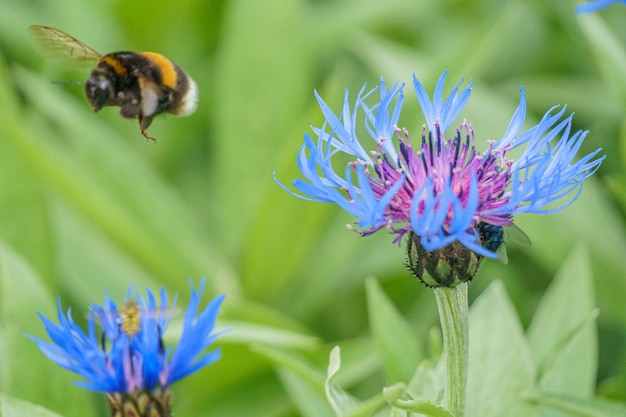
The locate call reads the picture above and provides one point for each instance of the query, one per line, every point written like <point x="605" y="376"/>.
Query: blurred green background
<point x="86" y="204"/>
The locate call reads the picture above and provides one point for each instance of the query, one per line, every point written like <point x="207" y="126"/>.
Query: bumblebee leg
<point x="144" y="122"/>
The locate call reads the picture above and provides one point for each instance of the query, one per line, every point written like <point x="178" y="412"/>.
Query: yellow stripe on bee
<point x="114" y="63"/>
<point x="131" y="320"/>
<point x="168" y="71"/>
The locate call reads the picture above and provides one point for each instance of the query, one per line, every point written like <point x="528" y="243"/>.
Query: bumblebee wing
<point x="502" y="255"/>
<point x="514" y="234"/>
<point x="58" y="46"/>
<point x="107" y="319"/>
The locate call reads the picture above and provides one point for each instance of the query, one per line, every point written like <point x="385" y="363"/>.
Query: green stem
<point x="453" y="313"/>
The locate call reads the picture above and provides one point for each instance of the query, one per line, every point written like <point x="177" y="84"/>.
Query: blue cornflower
<point x="596" y="5"/>
<point x="442" y="190"/>
<point x="129" y="361"/>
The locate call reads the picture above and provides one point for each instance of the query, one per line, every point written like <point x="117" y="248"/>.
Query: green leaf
<point x="312" y="393"/>
<point x="424" y="407"/>
<point x="611" y="54"/>
<point x="245" y="332"/>
<point x="500" y="364"/>
<point x="25" y="370"/>
<point x="394" y="392"/>
<point x="578" y="407"/>
<point x="395" y="339"/>
<point x="242" y="96"/>
<point x="592" y="220"/>
<point x="561" y="332"/>
<point x="305" y="396"/>
<point x="394" y="396"/>
<point x="83" y="251"/>
<point x="428" y="381"/>
<point x="296" y="365"/>
<point x="13" y="407"/>
<point x="304" y="383"/>
<point x="341" y="402"/>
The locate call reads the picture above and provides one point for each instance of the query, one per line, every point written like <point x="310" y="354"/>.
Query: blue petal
<point x="429" y="226"/>
<point x="384" y="123"/>
<point x="515" y="125"/>
<point x="545" y="172"/>
<point x="196" y="337"/>
<point x="345" y="131"/>
<point x="596" y="5"/>
<point x="131" y="362"/>
<point x="438" y="110"/>
<point x="364" y="205"/>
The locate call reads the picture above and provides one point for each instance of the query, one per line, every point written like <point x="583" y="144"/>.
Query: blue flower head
<point x="442" y="190"/>
<point x="596" y="5"/>
<point x="129" y="359"/>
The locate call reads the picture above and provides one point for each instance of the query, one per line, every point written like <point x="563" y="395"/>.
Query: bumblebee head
<point x="99" y="90"/>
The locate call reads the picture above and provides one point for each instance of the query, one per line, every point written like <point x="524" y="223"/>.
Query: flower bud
<point x="448" y="266"/>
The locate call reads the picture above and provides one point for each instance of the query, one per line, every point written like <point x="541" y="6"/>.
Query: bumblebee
<point x="130" y="318"/>
<point x="143" y="84"/>
<point x="493" y="238"/>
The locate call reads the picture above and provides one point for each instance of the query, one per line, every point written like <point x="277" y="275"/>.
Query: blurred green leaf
<point x="296" y="365"/>
<point x="305" y="396"/>
<point x="305" y="384"/>
<point x="396" y="341"/>
<point x="428" y="381"/>
<point x="261" y="71"/>
<point x="594" y="221"/>
<point x="313" y="393"/>
<point x="89" y="263"/>
<point x="500" y="363"/>
<point x="13" y="407"/>
<point x="576" y="406"/>
<point x="24" y="366"/>
<point x="272" y="336"/>
<point x="343" y="404"/>
<point x="610" y="51"/>
<point x="561" y="333"/>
